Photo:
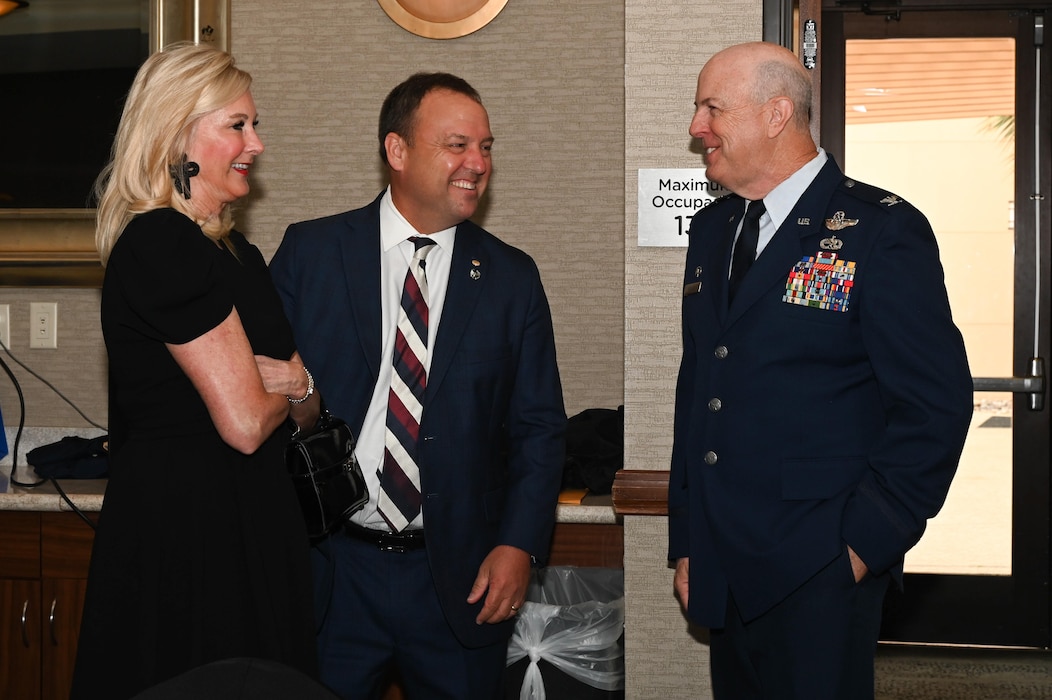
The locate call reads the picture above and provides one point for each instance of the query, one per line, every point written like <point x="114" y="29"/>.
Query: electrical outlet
<point x="5" y="325"/>
<point x="43" y="325"/>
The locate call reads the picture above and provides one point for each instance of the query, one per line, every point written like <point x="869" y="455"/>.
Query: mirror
<point x="65" y="67"/>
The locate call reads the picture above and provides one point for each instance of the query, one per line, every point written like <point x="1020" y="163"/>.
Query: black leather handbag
<point x="329" y="483"/>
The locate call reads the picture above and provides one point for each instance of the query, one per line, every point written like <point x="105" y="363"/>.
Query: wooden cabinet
<point x="43" y="575"/>
<point x="20" y="638"/>
<point x="588" y="544"/>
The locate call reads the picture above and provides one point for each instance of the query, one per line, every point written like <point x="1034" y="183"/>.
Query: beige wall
<point x="666" y="44"/>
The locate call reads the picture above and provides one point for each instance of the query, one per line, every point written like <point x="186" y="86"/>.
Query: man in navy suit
<point x="435" y="601"/>
<point x="820" y="410"/>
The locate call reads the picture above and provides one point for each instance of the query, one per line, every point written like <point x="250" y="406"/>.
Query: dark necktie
<point x="399" y="499"/>
<point x="745" y="248"/>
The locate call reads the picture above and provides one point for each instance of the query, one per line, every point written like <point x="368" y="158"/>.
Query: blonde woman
<point x="201" y="552"/>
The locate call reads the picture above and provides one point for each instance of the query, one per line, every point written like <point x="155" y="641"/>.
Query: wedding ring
<point x="515" y="608"/>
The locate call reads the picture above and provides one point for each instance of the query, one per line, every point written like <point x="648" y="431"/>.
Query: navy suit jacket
<point x="802" y="426"/>
<point x="491" y="448"/>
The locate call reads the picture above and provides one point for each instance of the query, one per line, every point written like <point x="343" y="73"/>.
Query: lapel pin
<point x="697" y="271"/>
<point x="475" y="273"/>
<point x="839" y="222"/>
<point x="803" y="221"/>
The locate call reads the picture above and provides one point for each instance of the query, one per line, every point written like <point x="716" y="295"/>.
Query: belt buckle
<point x="396" y="548"/>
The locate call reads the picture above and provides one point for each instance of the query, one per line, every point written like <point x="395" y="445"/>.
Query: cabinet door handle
<point x="25" y="617"/>
<point x="51" y="621"/>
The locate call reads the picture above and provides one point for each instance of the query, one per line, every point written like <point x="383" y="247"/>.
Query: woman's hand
<point x="285" y="377"/>
<point x="290" y="378"/>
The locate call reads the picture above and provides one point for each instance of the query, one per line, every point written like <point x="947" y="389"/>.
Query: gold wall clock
<point x="442" y="19"/>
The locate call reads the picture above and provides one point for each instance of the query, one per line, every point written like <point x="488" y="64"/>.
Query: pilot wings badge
<point x="838" y="222"/>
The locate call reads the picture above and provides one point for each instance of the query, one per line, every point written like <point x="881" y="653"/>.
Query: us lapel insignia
<point x="831" y="243"/>
<point x="475" y="273"/>
<point x="839" y="223"/>
<point x="803" y="221"/>
<point x="891" y="200"/>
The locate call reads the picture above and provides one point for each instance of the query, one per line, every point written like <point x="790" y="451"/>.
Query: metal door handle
<point x="1032" y="384"/>
<point x="25" y="616"/>
<point x="51" y="621"/>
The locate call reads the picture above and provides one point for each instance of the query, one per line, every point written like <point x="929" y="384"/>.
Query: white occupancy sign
<point x="668" y="199"/>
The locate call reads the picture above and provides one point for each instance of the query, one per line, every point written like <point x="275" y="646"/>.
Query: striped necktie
<point x="399" y="498"/>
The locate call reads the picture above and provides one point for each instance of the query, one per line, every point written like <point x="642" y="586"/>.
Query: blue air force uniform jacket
<point x="826" y="407"/>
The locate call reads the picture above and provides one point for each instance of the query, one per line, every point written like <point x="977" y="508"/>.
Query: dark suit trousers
<point x="383" y="617"/>
<point x="817" y="644"/>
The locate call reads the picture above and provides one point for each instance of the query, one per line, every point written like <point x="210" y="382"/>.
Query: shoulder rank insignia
<point x="831" y="243"/>
<point x="838" y="222"/>
<point x="891" y="200"/>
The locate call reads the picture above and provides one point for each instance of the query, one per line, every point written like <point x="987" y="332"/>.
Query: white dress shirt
<point x="396" y="252"/>
<point x="781" y="200"/>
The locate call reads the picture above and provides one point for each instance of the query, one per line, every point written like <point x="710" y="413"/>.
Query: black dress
<point x="201" y="552"/>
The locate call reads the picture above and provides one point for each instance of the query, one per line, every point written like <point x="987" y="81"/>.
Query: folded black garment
<point x="72" y="457"/>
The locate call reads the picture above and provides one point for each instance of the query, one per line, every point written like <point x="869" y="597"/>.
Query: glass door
<point x="948" y="107"/>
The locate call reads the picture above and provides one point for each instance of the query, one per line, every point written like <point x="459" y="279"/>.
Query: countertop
<point x="87" y="495"/>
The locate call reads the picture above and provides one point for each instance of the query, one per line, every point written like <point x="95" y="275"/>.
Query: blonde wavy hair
<point x="173" y="89"/>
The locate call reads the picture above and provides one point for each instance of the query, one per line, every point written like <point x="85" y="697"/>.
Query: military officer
<point x="823" y="396"/>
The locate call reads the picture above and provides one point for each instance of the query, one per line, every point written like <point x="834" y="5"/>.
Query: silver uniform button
<point x="710" y="457"/>
<point x="715" y="405"/>
<point x="721" y="352"/>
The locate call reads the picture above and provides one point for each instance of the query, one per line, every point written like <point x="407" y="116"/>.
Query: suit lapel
<point x="784" y="250"/>
<point x="360" y="249"/>
<point x="469" y="275"/>
<point x="724" y="251"/>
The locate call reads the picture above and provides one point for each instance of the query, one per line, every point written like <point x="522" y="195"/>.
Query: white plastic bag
<point x="573" y="618"/>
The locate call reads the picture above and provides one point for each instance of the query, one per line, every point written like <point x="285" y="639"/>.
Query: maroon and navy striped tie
<point x="399" y="499"/>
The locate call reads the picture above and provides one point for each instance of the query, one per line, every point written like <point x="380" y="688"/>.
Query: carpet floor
<point x="921" y="673"/>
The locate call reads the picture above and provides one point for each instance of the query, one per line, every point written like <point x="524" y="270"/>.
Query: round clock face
<point x="442" y="19"/>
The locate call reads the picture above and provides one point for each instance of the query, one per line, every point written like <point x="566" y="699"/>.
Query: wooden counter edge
<point x="640" y="492"/>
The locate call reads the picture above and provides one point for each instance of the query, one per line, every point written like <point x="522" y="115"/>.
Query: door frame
<point x="1011" y="610"/>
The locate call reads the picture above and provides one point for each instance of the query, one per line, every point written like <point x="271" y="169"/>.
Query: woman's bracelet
<point x="310" y="388"/>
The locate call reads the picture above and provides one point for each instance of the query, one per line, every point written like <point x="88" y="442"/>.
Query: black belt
<point x="386" y="541"/>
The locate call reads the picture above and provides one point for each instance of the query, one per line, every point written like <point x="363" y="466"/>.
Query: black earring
<point x="182" y="173"/>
